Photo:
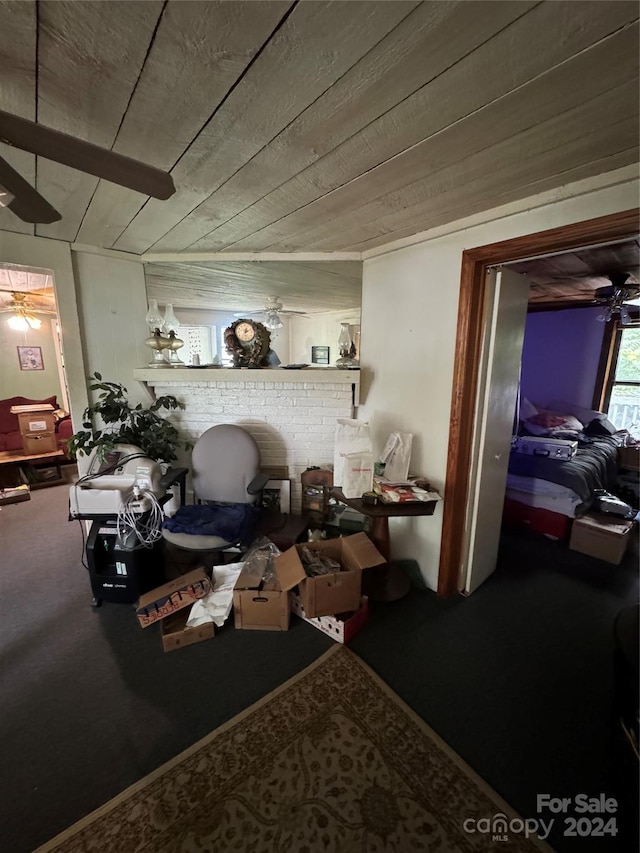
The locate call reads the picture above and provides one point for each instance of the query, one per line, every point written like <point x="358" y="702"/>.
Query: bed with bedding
<point x="545" y="494"/>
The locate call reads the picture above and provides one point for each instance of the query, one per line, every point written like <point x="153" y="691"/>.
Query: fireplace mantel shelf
<point x="181" y="375"/>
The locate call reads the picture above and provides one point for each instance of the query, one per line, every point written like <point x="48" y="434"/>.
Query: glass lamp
<point x="170" y="326"/>
<point x="154" y="317"/>
<point x="345" y="346"/>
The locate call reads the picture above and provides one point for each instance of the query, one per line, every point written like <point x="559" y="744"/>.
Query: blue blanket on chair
<point x="233" y="522"/>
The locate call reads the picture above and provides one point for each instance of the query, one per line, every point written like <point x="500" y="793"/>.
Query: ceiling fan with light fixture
<point x="272" y="310"/>
<point x="23" y="308"/>
<point x="26" y="202"/>
<point x="618" y="298"/>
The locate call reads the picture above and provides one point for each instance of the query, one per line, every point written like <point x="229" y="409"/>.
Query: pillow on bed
<point x="586" y="416"/>
<point x="527" y="409"/>
<point x="600" y="426"/>
<point x="550" y="424"/>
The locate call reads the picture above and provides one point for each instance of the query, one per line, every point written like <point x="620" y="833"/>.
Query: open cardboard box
<point x="172" y="596"/>
<point x="176" y="635"/>
<point x="340" y="592"/>
<point x="342" y="627"/>
<point x="601" y="536"/>
<point x="14" y="487"/>
<point x="260" y="607"/>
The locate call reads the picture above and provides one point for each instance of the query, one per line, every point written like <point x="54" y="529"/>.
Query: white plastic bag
<point x="397" y="456"/>
<point x="351" y="437"/>
<point x="358" y="474"/>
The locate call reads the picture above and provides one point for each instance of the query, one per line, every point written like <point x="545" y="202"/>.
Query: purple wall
<point x="561" y="354"/>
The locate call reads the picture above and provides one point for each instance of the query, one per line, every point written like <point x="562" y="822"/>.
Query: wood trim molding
<point x="608" y="357"/>
<point x="471" y="322"/>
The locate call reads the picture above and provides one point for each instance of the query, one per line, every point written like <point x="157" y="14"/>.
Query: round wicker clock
<point x="248" y="342"/>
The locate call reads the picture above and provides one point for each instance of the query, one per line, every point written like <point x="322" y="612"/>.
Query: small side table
<point x="389" y="582"/>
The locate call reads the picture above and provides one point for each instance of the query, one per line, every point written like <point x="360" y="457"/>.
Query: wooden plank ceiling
<point x="574" y="278"/>
<point x="311" y="288"/>
<point x="322" y="126"/>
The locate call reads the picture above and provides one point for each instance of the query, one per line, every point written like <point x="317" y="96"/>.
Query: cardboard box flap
<point x="355" y="552"/>
<point x="600" y="523"/>
<point x="249" y="578"/>
<point x="361" y="551"/>
<point x="195" y="577"/>
<point x="289" y="569"/>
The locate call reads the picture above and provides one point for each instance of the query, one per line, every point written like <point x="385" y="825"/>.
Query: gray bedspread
<point x="593" y="467"/>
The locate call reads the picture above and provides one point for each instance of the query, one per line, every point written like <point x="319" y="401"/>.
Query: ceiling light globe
<point x="19" y="324"/>
<point x="273" y="323"/>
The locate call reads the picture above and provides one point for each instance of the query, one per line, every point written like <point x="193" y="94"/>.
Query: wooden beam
<point x="197" y="257"/>
<point x="471" y="322"/>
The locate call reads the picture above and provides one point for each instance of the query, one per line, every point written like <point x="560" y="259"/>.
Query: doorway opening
<point x="472" y="322"/>
<point x="35" y="417"/>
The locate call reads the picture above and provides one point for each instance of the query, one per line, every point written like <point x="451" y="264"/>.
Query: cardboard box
<point x="176" y="635"/>
<point x="42" y="420"/>
<point x="172" y="596"/>
<point x="629" y="457"/>
<point x="35" y="443"/>
<point x="340" y="592"/>
<point x="14" y="487"/>
<point x="258" y="606"/>
<point x="342" y="627"/>
<point x="601" y="536"/>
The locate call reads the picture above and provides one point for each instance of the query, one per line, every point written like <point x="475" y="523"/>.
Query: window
<point x="199" y="341"/>
<point x="620" y="397"/>
<point x="226" y="358"/>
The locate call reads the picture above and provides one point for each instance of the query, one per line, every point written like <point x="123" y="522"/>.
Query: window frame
<point x="606" y="376"/>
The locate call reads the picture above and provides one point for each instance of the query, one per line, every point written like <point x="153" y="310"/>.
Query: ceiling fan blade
<point x="85" y="156"/>
<point x="28" y="204"/>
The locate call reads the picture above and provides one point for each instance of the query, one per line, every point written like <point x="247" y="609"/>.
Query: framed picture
<point x="320" y="355"/>
<point x="30" y="358"/>
<point x="276" y="496"/>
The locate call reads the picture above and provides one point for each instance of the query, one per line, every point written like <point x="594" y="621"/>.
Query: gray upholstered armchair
<point x="227" y="484"/>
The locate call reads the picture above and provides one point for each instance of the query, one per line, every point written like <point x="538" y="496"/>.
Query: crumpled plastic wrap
<point x="216" y="605"/>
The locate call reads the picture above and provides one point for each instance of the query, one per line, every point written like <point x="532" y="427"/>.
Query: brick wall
<point x="292" y="422"/>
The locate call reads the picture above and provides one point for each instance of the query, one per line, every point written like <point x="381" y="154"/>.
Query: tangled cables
<point x="146" y="527"/>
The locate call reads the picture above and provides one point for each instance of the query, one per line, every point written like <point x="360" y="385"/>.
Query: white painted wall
<point x="112" y="306"/>
<point x="34" y="384"/>
<point x="318" y="330"/>
<point x="409" y="318"/>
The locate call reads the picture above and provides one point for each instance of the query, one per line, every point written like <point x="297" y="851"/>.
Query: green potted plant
<point x="123" y="423"/>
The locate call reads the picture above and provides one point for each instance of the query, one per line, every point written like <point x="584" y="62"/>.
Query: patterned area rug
<point x="331" y="761"/>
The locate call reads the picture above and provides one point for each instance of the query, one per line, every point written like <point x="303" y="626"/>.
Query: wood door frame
<point x="471" y="323"/>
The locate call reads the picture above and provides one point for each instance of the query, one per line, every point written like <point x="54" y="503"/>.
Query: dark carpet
<point x="517" y="678"/>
